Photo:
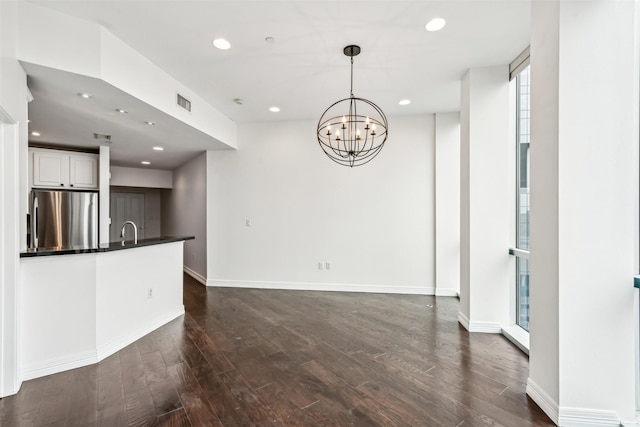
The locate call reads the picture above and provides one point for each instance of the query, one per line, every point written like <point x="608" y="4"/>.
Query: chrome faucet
<point x="135" y="231"/>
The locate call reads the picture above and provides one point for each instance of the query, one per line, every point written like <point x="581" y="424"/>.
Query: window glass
<point x="523" y="84"/>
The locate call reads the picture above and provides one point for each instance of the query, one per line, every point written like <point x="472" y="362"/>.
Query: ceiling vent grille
<point x="184" y="102"/>
<point x="102" y="137"/>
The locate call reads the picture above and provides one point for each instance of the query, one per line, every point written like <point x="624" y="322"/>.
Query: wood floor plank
<point x="248" y="401"/>
<point x="165" y="397"/>
<point x="155" y="370"/>
<point x="133" y="374"/>
<point x="111" y="404"/>
<point x="83" y="403"/>
<point x="146" y="344"/>
<point x="55" y="407"/>
<point x="177" y="418"/>
<point x="201" y="351"/>
<point x="255" y="357"/>
<point x="197" y="406"/>
<point x="222" y="401"/>
<point x="23" y="408"/>
<point x="139" y="408"/>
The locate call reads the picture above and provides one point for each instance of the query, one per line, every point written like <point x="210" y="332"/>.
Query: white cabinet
<point x="64" y="169"/>
<point x="83" y="171"/>
<point x="49" y="168"/>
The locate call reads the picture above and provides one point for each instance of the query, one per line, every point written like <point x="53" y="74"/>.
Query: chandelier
<point x="353" y="130"/>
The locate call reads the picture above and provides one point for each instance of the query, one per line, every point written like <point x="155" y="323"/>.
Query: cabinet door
<point x="83" y="171"/>
<point x="50" y="169"/>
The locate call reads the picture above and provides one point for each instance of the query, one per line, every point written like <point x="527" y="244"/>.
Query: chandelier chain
<point x="351" y="92"/>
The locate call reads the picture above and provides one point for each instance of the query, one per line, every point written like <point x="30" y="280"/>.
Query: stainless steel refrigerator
<point x="63" y="219"/>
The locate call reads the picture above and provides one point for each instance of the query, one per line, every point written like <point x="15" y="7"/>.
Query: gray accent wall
<point x="184" y="213"/>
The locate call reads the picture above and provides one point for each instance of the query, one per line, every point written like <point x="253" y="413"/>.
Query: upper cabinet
<point x="64" y="169"/>
<point x="83" y="171"/>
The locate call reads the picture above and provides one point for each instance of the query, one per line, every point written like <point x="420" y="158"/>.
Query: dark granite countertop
<point x="103" y="247"/>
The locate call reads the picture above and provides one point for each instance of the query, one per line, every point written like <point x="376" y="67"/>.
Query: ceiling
<point x="283" y="53"/>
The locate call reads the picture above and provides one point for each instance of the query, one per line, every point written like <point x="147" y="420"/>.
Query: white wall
<point x="447" y="203"/>
<point x="136" y="177"/>
<point x="374" y="224"/>
<point x="184" y="210"/>
<point x="584" y="172"/>
<point x="105" y="200"/>
<point x="544" y="343"/>
<point x="13" y="193"/>
<point x="484" y="203"/>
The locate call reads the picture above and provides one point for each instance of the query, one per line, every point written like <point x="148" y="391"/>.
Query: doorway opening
<point x="126" y="206"/>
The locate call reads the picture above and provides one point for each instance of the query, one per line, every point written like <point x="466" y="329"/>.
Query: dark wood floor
<point x="243" y="357"/>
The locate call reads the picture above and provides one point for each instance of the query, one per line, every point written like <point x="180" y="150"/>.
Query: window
<point x="523" y="92"/>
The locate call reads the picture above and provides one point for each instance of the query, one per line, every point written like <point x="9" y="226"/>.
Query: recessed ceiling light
<point x="436" y="24"/>
<point x="85" y="95"/>
<point x="269" y="39"/>
<point x="144" y="162"/>
<point x="274" y="109"/>
<point x="405" y="102"/>
<point x="120" y="110"/>
<point x="151" y="123"/>
<point x="34" y="133"/>
<point x="158" y="148"/>
<point x="222" y="44"/>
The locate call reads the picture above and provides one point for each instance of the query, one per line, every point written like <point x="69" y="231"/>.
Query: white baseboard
<point x="632" y="423"/>
<point x="485" y="327"/>
<point x="463" y="320"/>
<point x="447" y="292"/>
<point x="543" y="400"/>
<point x="482" y="327"/>
<point x="199" y="277"/>
<point x="78" y="360"/>
<point x="518" y="336"/>
<point x="58" y="364"/>
<point x="572" y="417"/>
<point x="332" y="287"/>
<point x="579" y="417"/>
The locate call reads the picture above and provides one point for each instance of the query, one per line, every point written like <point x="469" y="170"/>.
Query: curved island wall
<point x="79" y="308"/>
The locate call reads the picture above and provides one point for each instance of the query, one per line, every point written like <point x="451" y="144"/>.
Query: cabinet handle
<point x="71" y="185"/>
<point x="62" y="185"/>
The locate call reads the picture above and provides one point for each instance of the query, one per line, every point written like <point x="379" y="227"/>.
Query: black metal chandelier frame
<point x="352" y="139"/>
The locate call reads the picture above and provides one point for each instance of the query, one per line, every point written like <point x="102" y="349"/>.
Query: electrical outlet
<point x="320" y="266"/>
<point x="247" y="223"/>
<point x="327" y="266"/>
<point x="150" y="293"/>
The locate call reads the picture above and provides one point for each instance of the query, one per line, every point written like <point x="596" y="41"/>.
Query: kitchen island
<point x="82" y="305"/>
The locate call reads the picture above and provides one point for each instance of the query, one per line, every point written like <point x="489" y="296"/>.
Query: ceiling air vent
<point x="102" y="137"/>
<point x="184" y="102"/>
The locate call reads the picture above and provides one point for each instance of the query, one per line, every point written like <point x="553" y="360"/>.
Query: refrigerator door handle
<point x="35" y="222"/>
